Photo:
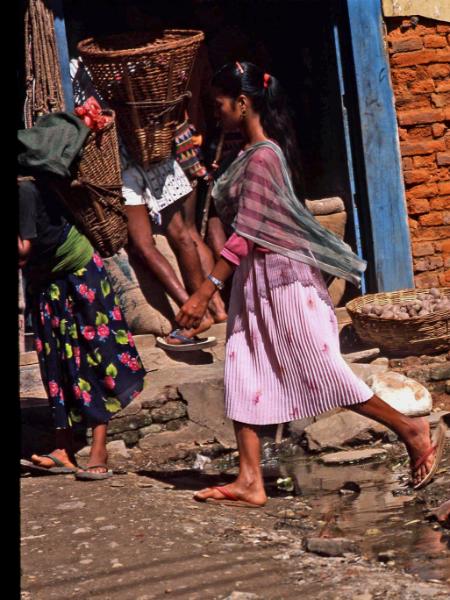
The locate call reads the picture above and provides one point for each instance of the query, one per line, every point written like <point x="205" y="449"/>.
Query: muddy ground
<point x="140" y="536"/>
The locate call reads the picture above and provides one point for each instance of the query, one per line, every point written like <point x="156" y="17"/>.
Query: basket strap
<point x="168" y="104"/>
<point x="100" y="191"/>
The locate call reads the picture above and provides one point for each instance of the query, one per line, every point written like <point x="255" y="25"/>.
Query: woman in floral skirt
<point x="88" y="360"/>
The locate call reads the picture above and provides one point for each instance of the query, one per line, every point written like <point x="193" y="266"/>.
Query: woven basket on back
<point x="95" y="196"/>
<point x="417" y="335"/>
<point x="143" y="77"/>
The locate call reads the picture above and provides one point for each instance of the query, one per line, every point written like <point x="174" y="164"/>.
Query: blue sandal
<point x="193" y="343"/>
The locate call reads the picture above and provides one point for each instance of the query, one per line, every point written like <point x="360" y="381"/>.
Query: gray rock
<point x="175" y="425"/>
<point x="173" y="409"/>
<point x="364" y="371"/>
<point x="440" y="372"/>
<point x="382" y="360"/>
<point x="118" y="448"/>
<point x="129" y="437"/>
<point x="296" y="428"/>
<point x="154" y="428"/>
<point x="76" y="505"/>
<point x="363" y="355"/>
<point x="84" y="452"/>
<point x="350" y="456"/>
<point x="189" y="434"/>
<point x="242" y="596"/>
<point x="330" y="546"/>
<point x="342" y="428"/>
<point x="129" y="423"/>
<point x="206" y="408"/>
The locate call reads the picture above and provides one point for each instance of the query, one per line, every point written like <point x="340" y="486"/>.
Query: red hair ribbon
<point x="239" y="66"/>
<point x="266" y="80"/>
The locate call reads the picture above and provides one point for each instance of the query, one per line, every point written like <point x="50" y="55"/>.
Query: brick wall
<point x="420" y="71"/>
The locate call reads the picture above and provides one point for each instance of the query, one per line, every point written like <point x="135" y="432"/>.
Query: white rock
<point x="118" y="448"/>
<point x="402" y="393"/>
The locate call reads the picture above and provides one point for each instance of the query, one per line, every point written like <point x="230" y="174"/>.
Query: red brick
<point x="442" y="174"/>
<point x="444" y="188"/>
<point x="412" y="224"/>
<point x="434" y="41"/>
<point x="418" y="206"/>
<point x="407" y="44"/>
<point x="423" y="87"/>
<point x="447" y="140"/>
<point x="442" y="203"/>
<point x="409" y="101"/>
<point x="424" y="161"/>
<point x="406" y="75"/>
<point x="443" y="28"/>
<point x="407" y="163"/>
<point x="421" y="57"/>
<point x="432" y="219"/>
<point x="419" y="133"/>
<point x="443" y="158"/>
<point x="441" y="101"/>
<point x="422" y="249"/>
<point x="447" y="262"/>
<point x="415" y="117"/>
<point x="435" y="262"/>
<point x="438" y="129"/>
<point x="431" y="233"/>
<point x="425" y="147"/>
<point x="444" y="278"/>
<point x="425" y="280"/>
<point x="421" y="265"/>
<point x="439" y="71"/>
<point x="443" y="86"/>
<point x="416" y="176"/>
<point x="426" y="190"/>
<point x="445" y="246"/>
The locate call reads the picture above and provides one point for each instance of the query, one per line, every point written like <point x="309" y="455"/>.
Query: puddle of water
<point x="418" y="547"/>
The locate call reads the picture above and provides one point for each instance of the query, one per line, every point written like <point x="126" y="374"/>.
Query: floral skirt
<point x="89" y="365"/>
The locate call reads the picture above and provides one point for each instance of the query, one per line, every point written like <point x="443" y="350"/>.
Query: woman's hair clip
<point x="240" y="68"/>
<point x="266" y="80"/>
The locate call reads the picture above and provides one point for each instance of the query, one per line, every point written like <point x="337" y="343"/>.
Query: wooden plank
<point x="383" y="174"/>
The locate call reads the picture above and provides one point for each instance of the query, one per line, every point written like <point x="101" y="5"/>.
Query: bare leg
<point x="141" y="244"/>
<point x="249" y="485"/>
<point x="414" y="432"/>
<point x="99" y="454"/>
<point x="207" y="261"/>
<point x="63" y="451"/>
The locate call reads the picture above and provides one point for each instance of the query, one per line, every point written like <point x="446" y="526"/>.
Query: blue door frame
<point x="383" y="177"/>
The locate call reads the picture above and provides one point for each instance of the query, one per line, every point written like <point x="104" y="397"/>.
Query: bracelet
<point x="217" y="282"/>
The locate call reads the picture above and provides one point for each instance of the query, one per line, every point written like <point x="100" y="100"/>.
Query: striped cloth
<point x="283" y="360"/>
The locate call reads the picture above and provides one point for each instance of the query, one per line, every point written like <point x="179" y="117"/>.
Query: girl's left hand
<point x="192" y="311"/>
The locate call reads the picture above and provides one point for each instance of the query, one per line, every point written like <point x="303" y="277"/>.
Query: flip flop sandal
<point x="437" y="444"/>
<point x="59" y="469"/>
<point x="229" y="499"/>
<point x="194" y="343"/>
<point x="85" y="473"/>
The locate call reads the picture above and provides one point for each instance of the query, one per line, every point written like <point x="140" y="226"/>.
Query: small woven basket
<point x="414" y="336"/>
<point x="143" y="76"/>
<point x="95" y="199"/>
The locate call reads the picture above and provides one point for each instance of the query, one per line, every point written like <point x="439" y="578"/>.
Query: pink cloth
<point x="283" y="360"/>
<point x="282" y="357"/>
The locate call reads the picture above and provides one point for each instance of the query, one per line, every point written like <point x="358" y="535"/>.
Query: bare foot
<point x="217" y="307"/>
<point x="205" y="324"/>
<point x="48" y="463"/>
<point x="253" y="494"/>
<point x="97" y="457"/>
<point x="418" y="444"/>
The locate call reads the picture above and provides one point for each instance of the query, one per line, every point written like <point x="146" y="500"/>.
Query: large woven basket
<point x="417" y="335"/>
<point x="143" y="76"/>
<point x="95" y="196"/>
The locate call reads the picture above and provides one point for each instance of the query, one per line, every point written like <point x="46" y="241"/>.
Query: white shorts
<point x="157" y="186"/>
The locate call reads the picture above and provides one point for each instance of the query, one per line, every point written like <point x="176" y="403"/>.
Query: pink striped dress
<point x="283" y="360"/>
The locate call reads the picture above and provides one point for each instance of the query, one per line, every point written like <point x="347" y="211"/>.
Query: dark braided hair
<point x="271" y="103"/>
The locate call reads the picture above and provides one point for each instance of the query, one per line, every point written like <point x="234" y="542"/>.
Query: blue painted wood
<point x="348" y="148"/>
<point x="63" y="52"/>
<point x="382" y="159"/>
